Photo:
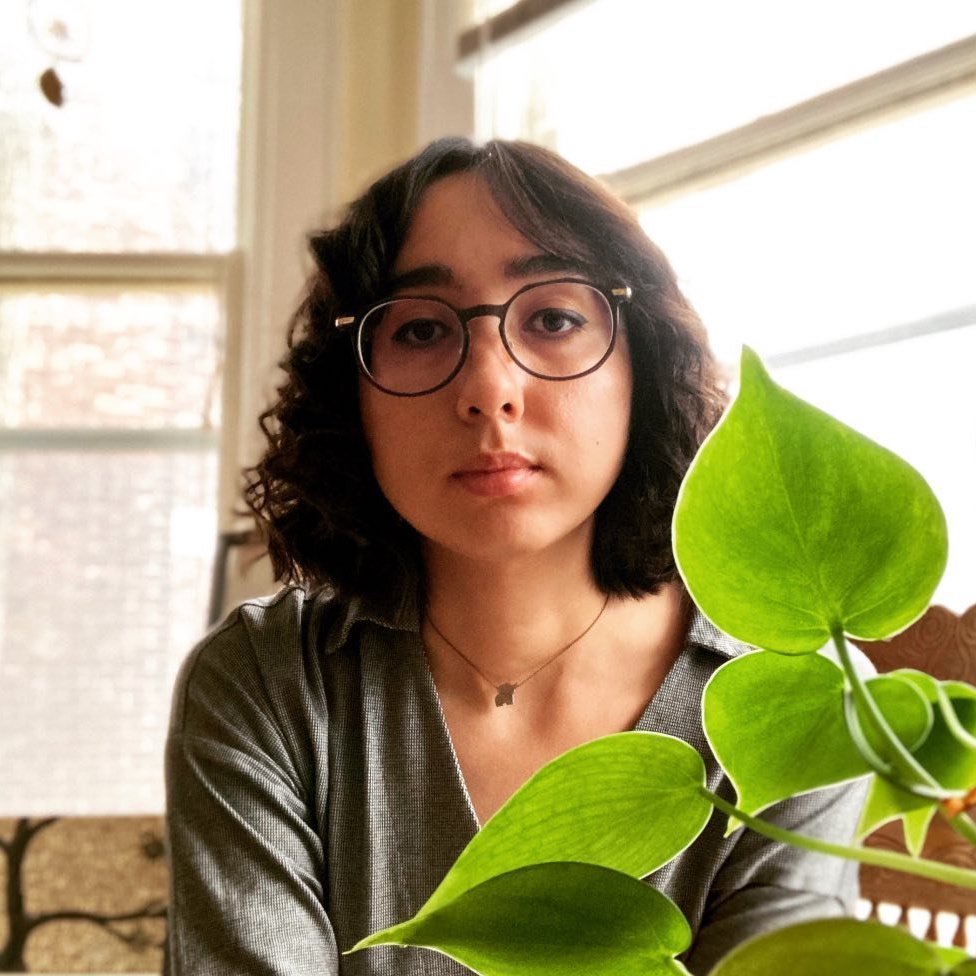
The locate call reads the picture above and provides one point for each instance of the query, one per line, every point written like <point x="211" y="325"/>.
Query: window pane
<point x="915" y="397"/>
<point x="142" y="155"/>
<point x="109" y="356"/>
<point x="618" y="81"/>
<point x="866" y="232"/>
<point x="104" y="575"/>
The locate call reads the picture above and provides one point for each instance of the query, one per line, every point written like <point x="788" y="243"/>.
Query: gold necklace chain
<point x="506" y="690"/>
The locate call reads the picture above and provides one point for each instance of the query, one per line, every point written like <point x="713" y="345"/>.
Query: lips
<point x="502" y="461"/>
<point x="496" y="475"/>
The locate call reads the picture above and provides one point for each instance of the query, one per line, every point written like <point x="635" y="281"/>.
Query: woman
<point x="494" y="387"/>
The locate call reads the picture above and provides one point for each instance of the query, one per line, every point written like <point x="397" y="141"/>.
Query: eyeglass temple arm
<point x="345" y="322"/>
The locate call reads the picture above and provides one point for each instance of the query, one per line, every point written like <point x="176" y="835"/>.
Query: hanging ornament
<point x="52" y="87"/>
<point x="61" y="29"/>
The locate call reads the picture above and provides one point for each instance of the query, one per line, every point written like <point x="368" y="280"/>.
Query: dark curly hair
<point x="313" y="493"/>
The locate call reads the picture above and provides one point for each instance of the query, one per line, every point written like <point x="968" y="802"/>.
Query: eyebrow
<point x="428" y="275"/>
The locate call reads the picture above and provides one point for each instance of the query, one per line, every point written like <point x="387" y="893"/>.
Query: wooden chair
<point x="944" y="645"/>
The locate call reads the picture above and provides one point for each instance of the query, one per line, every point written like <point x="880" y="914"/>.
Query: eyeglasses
<point x="556" y="330"/>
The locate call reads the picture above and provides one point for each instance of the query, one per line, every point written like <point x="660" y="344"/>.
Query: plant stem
<point x="910" y="771"/>
<point x="951" y="719"/>
<point x="935" y="870"/>
<point x="877" y="764"/>
<point x="882" y="768"/>
<point x="962" y="824"/>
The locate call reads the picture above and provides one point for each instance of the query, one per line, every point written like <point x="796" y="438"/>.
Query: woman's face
<point x="498" y="464"/>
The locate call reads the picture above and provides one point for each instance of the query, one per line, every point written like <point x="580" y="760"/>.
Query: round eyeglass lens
<point x="411" y="345"/>
<point x="559" y="329"/>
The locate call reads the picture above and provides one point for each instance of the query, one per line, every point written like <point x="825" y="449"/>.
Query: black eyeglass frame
<point x="614" y="296"/>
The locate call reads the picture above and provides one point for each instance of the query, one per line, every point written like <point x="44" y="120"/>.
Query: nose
<point x="490" y="383"/>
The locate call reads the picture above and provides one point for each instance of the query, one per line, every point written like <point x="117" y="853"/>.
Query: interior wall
<point x="380" y="88"/>
<point x="401" y="87"/>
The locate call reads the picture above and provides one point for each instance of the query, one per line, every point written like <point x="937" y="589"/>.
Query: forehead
<point x="458" y="224"/>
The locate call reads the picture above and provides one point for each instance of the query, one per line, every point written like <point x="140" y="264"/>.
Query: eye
<point x="554" y="322"/>
<point x="418" y="333"/>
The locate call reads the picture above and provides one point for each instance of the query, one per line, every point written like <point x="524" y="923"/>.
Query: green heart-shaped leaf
<point x="776" y="724"/>
<point x="790" y="525"/>
<point x="839" y="946"/>
<point x="630" y="801"/>
<point x="553" y="920"/>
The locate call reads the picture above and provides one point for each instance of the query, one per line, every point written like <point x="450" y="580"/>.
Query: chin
<point x="488" y="541"/>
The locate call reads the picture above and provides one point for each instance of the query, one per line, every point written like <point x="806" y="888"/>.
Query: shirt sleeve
<point x="764" y="885"/>
<point x="246" y="860"/>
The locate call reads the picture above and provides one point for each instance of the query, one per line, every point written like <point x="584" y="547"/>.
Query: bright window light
<point x="618" y="81"/>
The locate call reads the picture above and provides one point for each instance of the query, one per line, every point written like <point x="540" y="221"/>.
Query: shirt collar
<point x="401" y="612"/>
<point x="703" y="633"/>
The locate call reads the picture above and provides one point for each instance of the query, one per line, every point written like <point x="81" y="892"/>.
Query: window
<point x="809" y="175"/>
<point x="117" y="224"/>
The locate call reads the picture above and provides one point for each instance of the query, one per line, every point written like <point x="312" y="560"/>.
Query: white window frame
<point x="903" y="89"/>
<point x="933" y="78"/>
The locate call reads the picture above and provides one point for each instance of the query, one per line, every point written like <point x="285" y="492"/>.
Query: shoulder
<point x="270" y="655"/>
<point x="706" y="649"/>
<point x="265" y="651"/>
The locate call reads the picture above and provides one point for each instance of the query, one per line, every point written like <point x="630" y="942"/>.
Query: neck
<point x="509" y="617"/>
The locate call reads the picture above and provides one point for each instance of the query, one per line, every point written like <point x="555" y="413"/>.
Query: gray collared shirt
<point x="314" y="797"/>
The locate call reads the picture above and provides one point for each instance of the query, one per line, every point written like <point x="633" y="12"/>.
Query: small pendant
<point x="504" y="696"/>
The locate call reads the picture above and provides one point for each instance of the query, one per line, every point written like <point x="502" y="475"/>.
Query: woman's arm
<point x="763" y="885"/>
<point x="246" y="861"/>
